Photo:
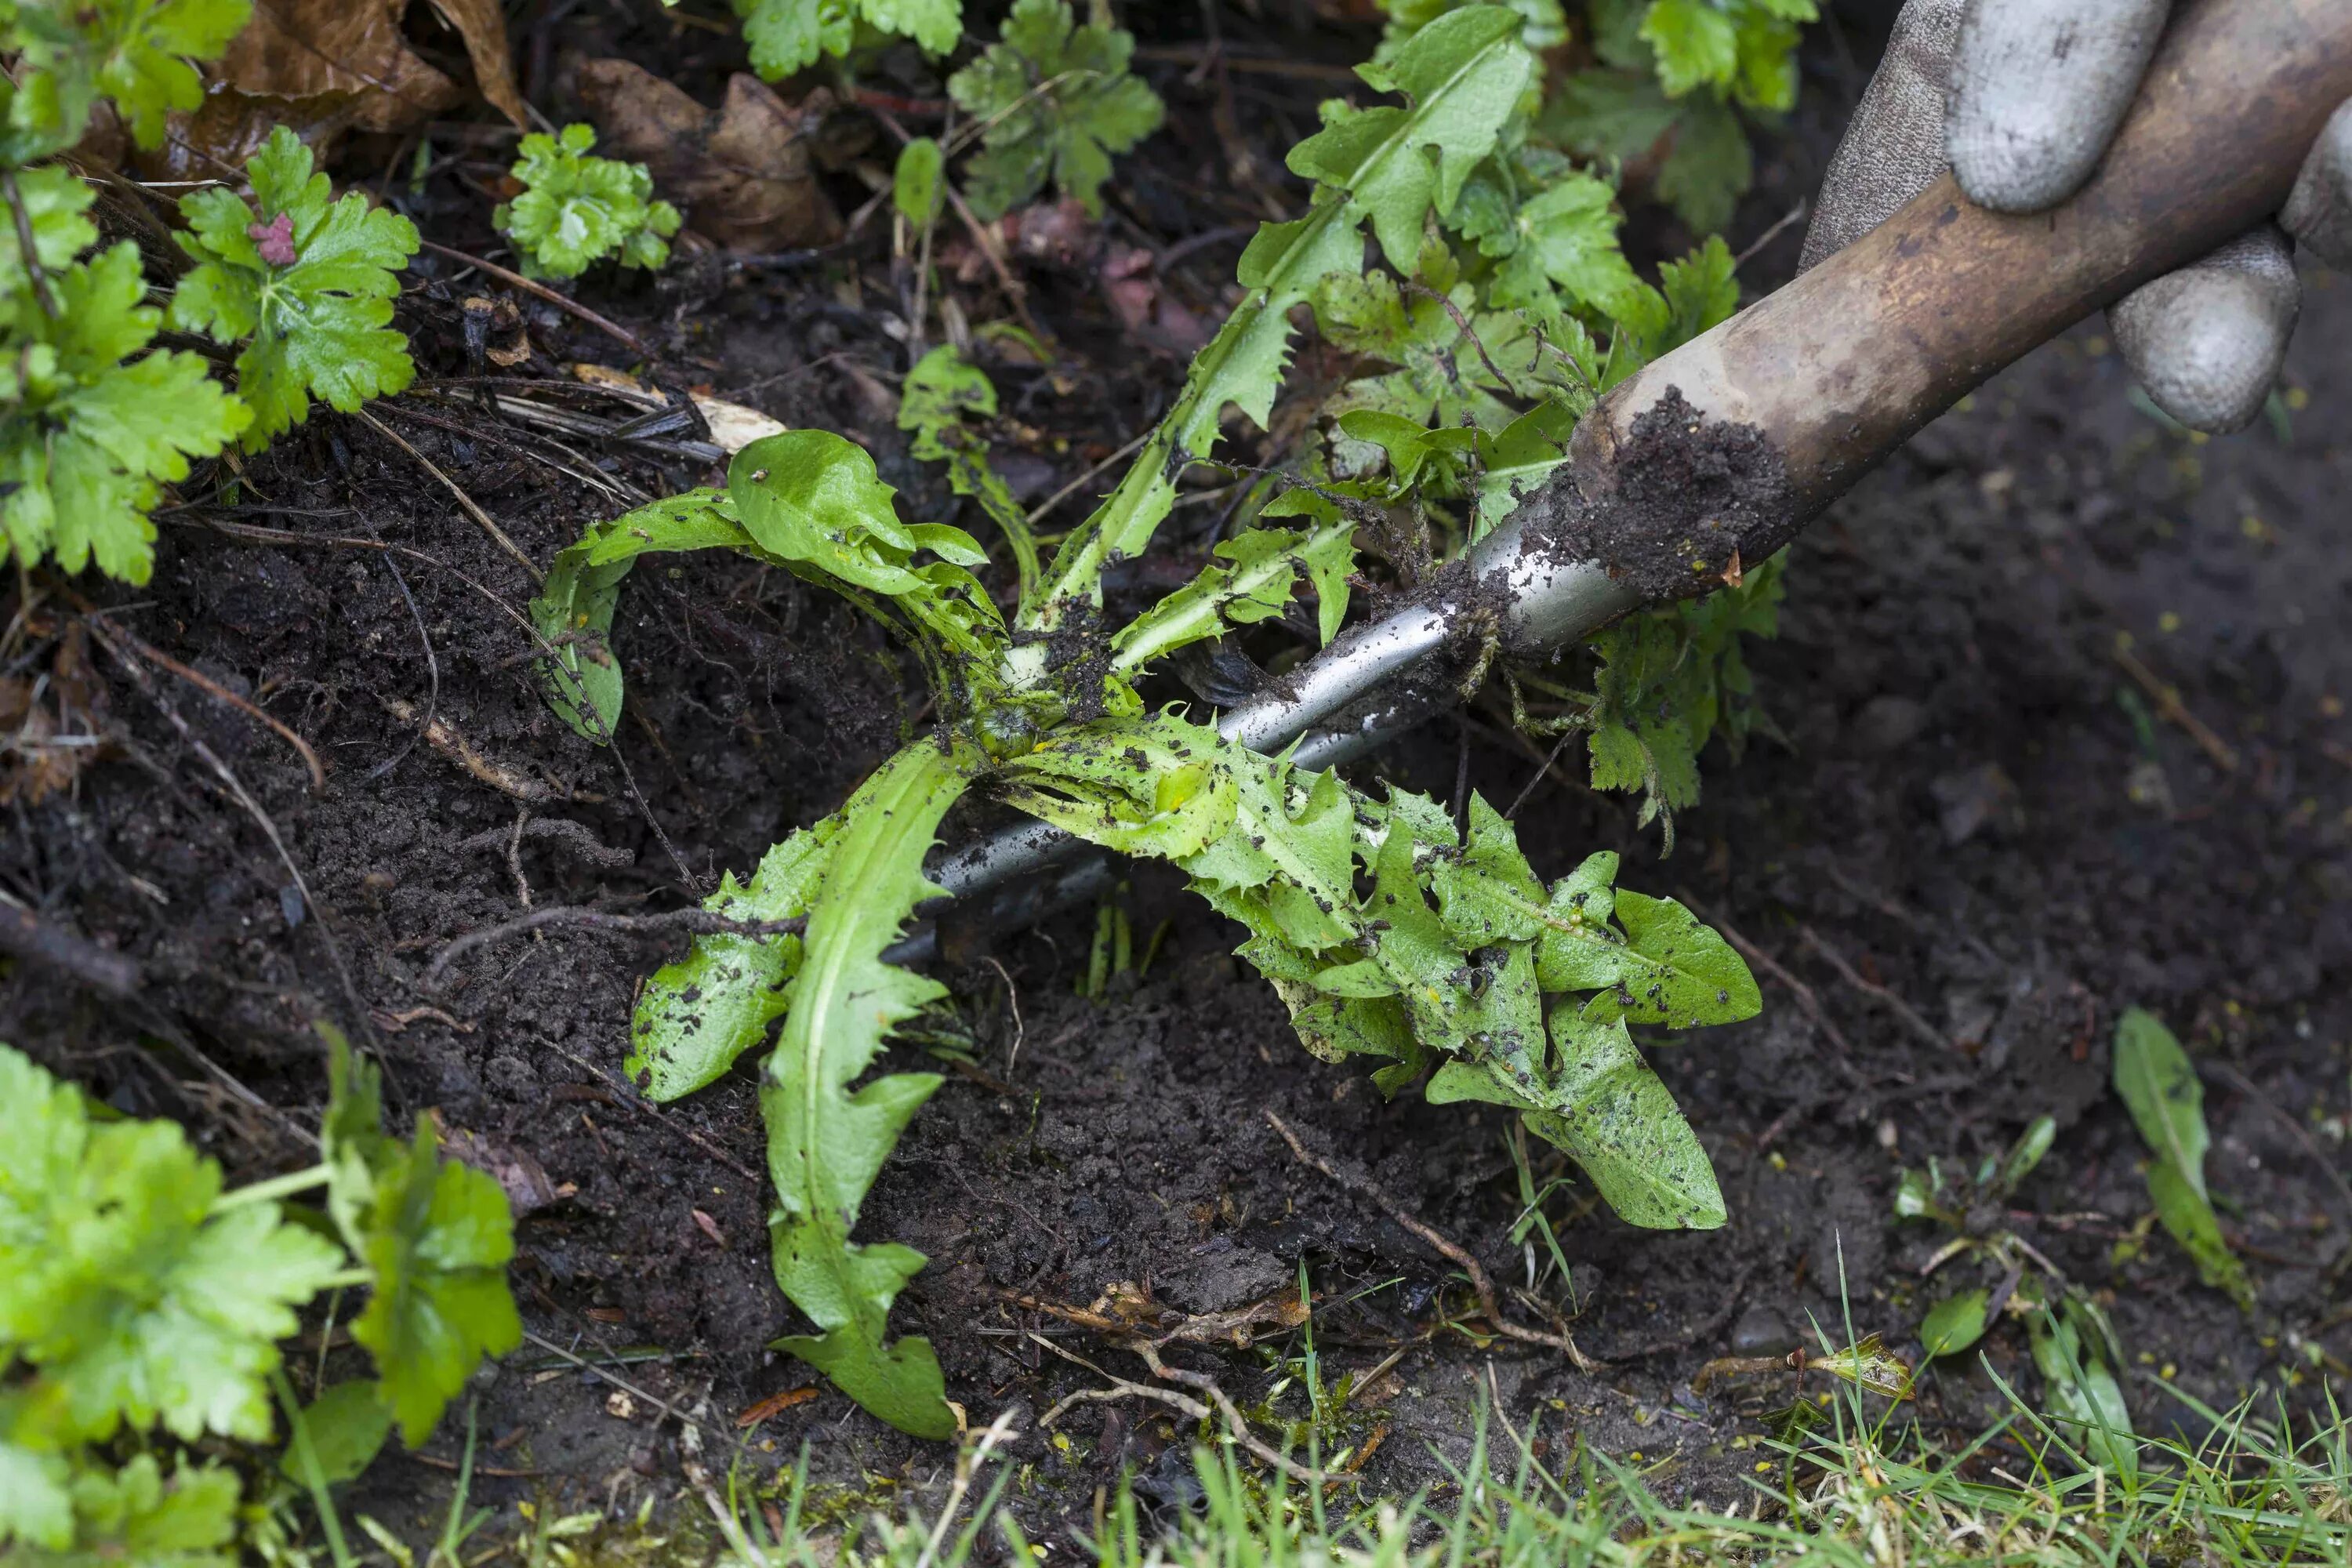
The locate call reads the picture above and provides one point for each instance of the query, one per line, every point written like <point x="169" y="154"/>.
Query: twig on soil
<point x="701" y="922"/>
<point x="24" y="935"/>
<point x="1794" y="216"/>
<point x="1459" y="1256"/>
<point x="635" y="1105"/>
<point x="1895" y="1004"/>
<point x="2168" y="703"/>
<point x="215" y="689"/>
<point x="569" y="307"/>
<point x="1120" y="1388"/>
<point x="471" y="507"/>
<point x="444" y="738"/>
<point x="1013" y="999"/>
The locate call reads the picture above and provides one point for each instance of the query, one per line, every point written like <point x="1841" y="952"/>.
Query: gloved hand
<point x="2019" y="98"/>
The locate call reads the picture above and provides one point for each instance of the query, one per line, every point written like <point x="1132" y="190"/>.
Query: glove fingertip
<point x="2207" y="343"/>
<point x="2037" y="92"/>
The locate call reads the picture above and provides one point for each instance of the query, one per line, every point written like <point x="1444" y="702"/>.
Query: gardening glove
<point x="2019" y="98"/>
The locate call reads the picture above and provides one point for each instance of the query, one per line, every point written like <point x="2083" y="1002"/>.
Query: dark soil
<point x="1982" y="841"/>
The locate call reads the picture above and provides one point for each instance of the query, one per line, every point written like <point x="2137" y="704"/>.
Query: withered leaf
<point x="745" y="172"/>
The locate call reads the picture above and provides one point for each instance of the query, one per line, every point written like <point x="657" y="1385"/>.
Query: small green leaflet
<point x="826" y="1145"/>
<point x="130" y="1298"/>
<point x="696" y="1015"/>
<point x="1259" y="569"/>
<point x="346" y="1426"/>
<point x="89" y="432"/>
<point x="136" y="52"/>
<point x="943" y="390"/>
<point x="134" y="1515"/>
<point x="55" y="202"/>
<point x="436" y="1237"/>
<point x="576" y="209"/>
<point x="574" y="607"/>
<point x="309" y="282"/>
<point x="807" y="502"/>
<point x="2073" y="1347"/>
<point x="1058" y="103"/>
<point x="2156" y="1081"/>
<point x="1463" y="74"/>
<point x="787" y="35"/>
<point x="918" y="184"/>
<point x="1955" y="1323"/>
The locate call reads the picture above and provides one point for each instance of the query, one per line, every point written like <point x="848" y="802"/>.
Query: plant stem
<point x="314" y="1478"/>
<point x="24" y="243"/>
<point x="275" y="1187"/>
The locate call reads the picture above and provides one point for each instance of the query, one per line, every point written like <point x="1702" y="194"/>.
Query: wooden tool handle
<point x="1838" y="368"/>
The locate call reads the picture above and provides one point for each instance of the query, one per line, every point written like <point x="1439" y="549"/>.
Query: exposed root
<point x="1459" y="1256"/>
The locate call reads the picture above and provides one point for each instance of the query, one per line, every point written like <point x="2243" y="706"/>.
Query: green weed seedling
<point x="2074" y="1343"/>
<point x="306" y="284"/>
<point x="576" y="209"/>
<point x="2156" y="1080"/>
<point x="1391" y="930"/>
<point x="94" y="421"/>
<point x="141" y="1307"/>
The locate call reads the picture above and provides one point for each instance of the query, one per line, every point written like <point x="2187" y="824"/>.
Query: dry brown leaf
<point x="303" y="48"/>
<point x="213" y="142"/>
<point x="745" y="172"/>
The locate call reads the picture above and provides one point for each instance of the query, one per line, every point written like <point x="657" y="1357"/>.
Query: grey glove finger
<point x="2207" y="341"/>
<point x="2038" y="89"/>
<point x="2318" y="211"/>
<point x="1893" y="147"/>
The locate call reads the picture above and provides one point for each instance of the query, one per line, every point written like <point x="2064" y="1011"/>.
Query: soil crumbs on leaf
<point x="1980" y="813"/>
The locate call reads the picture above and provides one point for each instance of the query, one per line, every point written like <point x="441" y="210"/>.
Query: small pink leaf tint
<point x="276" y="239"/>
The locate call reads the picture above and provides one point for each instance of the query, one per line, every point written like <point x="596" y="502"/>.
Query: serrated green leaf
<point x="1259" y="569"/>
<point x="35" y="1499"/>
<point x="1608" y="113"/>
<point x="788" y="35"/>
<point x="1709" y="167"/>
<point x="437" y="1236"/>
<point x="1463" y="74"/>
<point x="1567" y="240"/>
<point x="87" y="438"/>
<point x="1953" y="1323"/>
<point x="132" y="1301"/>
<point x="2159" y="1085"/>
<point x="576" y="209"/>
<point x="1611" y="1113"/>
<point x="135" y="52"/>
<point x="826" y="1145"/>
<point x="1694" y="43"/>
<point x="137" y="1515"/>
<point x="318" y="323"/>
<point x="943" y="390"/>
<point x="53" y="202"/>
<point x="1682" y="975"/>
<point x="696" y="1016"/>
<point x="1155" y="786"/>
<point x="1058" y="103"/>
